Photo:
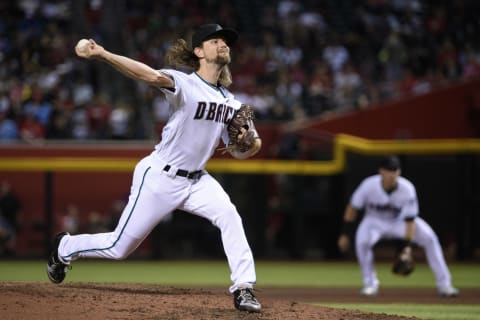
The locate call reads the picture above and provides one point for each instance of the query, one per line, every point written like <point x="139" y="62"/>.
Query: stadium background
<point x="289" y="212"/>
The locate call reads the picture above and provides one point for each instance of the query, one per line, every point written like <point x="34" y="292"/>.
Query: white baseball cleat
<point x="448" y="291"/>
<point x="369" y="291"/>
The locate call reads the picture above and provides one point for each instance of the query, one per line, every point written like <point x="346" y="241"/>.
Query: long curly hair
<point x="180" y="55"/>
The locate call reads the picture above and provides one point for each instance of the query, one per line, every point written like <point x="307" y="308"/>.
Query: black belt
<point x="184" y="173"/>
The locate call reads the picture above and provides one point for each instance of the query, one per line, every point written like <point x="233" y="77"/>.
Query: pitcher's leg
<point x="208" y="199"/>
<point x="100" y="245"/>
<point x="153" y="195"/>
<point x="237" y="249"/>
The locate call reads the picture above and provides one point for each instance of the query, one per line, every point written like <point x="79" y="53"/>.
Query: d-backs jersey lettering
<point x="199" y="114"/>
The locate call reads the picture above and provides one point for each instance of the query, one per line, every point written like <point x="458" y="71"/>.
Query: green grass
<point x="422" y="311"/>
<point x="334" y="274"/>
<point x="213" y="273"/>
<point x="269" y="274"/>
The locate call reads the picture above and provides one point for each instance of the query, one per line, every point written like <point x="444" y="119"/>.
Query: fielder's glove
<point x="241" y="130"/>
<point x="404" y="264"/>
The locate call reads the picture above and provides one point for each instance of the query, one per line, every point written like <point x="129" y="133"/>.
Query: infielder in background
<point x="173" y="176"/>
<point x="390" y="209"/>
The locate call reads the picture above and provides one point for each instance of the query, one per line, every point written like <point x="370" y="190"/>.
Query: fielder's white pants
<point x="372" y="229"/>
<point x="154" y="194"/>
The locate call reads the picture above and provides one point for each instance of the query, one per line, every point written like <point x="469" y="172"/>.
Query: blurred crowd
<point x="295" y="59"/>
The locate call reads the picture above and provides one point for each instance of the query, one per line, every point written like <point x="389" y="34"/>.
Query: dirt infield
<point x="35" y="300"/>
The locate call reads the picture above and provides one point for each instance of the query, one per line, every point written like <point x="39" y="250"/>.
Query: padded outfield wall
<point x="291" y="208"/>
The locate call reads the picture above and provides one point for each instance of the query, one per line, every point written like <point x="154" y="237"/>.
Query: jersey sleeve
<point x="174" y="96"/>
<point x="358" y="198"/>
<point x="410" y="208"/>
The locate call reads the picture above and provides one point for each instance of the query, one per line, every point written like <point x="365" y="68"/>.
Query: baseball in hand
<point x="82" y="48"/>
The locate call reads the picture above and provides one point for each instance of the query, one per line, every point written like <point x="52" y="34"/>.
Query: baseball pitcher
<point x="173" y="176"/>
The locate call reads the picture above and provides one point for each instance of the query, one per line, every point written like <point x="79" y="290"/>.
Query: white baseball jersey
<point x="384" y="217"/>
<point x="400" y="203"/>
<point x="199" y="114"/>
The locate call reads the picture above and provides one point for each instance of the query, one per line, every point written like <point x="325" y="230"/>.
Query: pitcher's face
<point x="216" y="51"/>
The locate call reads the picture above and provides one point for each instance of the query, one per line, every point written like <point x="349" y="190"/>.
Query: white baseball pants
<point x="372" y="229"/>
<point x="154" y="194"/>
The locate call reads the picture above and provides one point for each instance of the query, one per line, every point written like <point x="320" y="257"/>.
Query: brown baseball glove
<point x="241" y="130"/>
<point x="404" y="263"/>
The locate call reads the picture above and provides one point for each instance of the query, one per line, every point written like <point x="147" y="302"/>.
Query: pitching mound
<point x="35" y="300"/>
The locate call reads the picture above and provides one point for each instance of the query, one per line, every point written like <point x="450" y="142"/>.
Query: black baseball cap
<point x="390" y="163"/>
<point x="211" y="30"/>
